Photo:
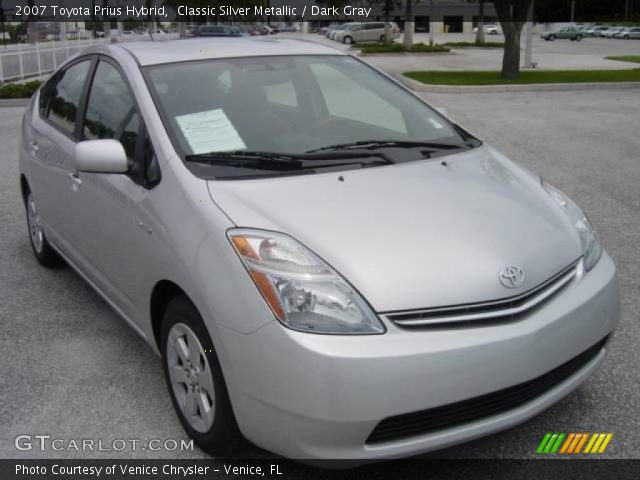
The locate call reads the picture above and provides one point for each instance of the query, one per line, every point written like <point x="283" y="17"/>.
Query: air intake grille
<point x="447" y="416"/>
<point x="491" y="311"/>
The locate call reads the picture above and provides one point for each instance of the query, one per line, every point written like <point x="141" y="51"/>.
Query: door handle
<point x="34" y="146"/>
<point x="75" y="181"/>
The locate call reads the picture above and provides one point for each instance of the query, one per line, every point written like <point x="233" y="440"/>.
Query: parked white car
<point x="490" y="30"/>
<point x="628" y="33"/>
<point x="333" y="33"/>
<point x="366" y="32"/>
<point x="612" y="32"/>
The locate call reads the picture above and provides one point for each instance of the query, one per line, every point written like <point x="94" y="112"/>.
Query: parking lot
<point x="590" y="53"/>
<point x="71" y="368"/>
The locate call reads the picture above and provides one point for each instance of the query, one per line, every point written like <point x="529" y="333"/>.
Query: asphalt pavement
<point x="71" y="368"/>
<point x="589" y="54"/>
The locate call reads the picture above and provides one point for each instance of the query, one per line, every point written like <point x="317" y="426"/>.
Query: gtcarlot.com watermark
<point x="46" y="442"/>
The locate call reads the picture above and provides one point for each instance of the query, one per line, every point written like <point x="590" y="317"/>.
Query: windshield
<point x="291" y="104"/>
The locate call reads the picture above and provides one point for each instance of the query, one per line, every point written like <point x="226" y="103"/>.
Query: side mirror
<point x="100" y="156"/>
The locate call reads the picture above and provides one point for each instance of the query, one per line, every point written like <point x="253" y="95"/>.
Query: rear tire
<point x="579" y="38"/>
<point x="42" y="249"/>
<point x="196" y="384"/>
<point x="381" y="38"/>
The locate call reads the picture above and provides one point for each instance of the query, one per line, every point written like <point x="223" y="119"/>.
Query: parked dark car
<point x="216" y="31"/>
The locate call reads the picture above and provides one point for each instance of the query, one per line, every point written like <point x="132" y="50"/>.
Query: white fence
<point x="21" y="61"/>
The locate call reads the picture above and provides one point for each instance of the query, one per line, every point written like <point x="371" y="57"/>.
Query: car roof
<point x="169" y="51"/>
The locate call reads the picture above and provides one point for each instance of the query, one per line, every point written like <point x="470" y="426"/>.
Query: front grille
<point x="465" y="411"/>
<point x="488" y="312"/>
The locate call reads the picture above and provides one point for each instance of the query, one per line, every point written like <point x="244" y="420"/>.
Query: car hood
<point x="419" y="234"/>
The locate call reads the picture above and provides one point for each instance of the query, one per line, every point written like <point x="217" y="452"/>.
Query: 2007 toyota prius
<point x="328" y="266"/>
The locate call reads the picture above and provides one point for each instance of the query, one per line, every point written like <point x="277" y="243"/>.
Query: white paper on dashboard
<point x="210" y="131"/>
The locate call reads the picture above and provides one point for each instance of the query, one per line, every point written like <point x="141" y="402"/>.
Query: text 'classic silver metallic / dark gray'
<point x="329" y="266"/>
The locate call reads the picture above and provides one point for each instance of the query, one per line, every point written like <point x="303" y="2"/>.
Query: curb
<point x="535" y="87"/>
<point x="14" y="102"/>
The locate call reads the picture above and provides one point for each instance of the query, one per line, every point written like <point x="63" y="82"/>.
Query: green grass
<point x="626" y="58"/>
<point x="360" y="45"/>
<point x="473" y="44"/>
<point x="19" y="90"/>
<point x="528" y="77"/>
<point x="399" y="48"/>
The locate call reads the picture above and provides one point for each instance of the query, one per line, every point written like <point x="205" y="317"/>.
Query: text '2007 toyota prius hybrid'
<point x="328" y="266"/>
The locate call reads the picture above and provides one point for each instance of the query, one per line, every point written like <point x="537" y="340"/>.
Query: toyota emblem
<point x="512" y="277"/>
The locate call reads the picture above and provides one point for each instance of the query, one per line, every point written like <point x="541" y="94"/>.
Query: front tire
<point x="42" y="249"/>
<point x="579" y="38"/>
<point x="347" y="40"/>
<point x="195" y="380"/>
<point x="552" y="38"/>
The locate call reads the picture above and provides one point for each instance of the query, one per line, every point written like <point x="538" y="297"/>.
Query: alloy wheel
<point x="33" y="221"/>
<point x="191" y="377"/>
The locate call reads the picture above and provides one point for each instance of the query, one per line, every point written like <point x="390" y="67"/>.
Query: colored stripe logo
<point x="574" y="443"/>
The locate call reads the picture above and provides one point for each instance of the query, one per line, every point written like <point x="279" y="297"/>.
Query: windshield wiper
<point x="290" y="161"/>
<point x="371" y="144"/>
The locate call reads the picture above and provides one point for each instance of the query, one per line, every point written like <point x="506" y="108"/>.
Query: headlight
<point x="303" y="292"/>
<point x="591" y="247"/>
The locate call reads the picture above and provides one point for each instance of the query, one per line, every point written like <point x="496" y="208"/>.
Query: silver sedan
<point x="328" y="266"/>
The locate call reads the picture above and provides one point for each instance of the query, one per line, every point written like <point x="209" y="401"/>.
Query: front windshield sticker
<point x="210" y="131"/>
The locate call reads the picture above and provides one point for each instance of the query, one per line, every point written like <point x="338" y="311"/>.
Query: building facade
<point x="449" y="16"/>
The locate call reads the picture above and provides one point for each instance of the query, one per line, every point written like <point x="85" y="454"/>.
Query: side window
<point x="112" y="113"/>
<point x="45" y="95"/>
<point x="65" y="96"/>
<point x="111" y="110"/>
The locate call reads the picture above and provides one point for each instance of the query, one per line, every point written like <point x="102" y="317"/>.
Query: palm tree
<point x="32" y="26"/>
<point x="480" y="33"/>
<point x="409" y="25"/>
<point x="387" y="7"/>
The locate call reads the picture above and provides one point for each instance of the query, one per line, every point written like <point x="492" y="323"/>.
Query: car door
<point x="52" y="139"/>
<point x="108" y="228"/>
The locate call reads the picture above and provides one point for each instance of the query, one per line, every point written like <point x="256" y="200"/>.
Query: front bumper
<point x="309" y="396"/>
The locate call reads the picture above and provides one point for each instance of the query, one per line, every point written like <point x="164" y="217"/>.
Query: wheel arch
<point x="24" y="187"/>
<point x="163" y="292"/>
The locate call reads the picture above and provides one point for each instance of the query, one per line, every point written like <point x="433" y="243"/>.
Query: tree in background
<point x="32" y="26"/>
<point x="387" y="8"/>
<point x="512" y="15"/>
<point x="409" y="24"/>
<point x="2" y="29"/>
<point x="151" y="25"/>
<point x="480" y="32"/>
<point x="106" y="21"/>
